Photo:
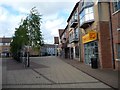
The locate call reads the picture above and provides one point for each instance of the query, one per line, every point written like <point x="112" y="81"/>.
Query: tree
<point x="28" y="34"/>
<point x="34" y="23"/>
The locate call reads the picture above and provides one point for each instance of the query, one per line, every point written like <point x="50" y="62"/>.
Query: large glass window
<point x="116" y="5"/>
<point x="86" y="15"/>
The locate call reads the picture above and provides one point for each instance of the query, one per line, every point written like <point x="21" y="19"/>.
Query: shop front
<point x="90" y="47"/>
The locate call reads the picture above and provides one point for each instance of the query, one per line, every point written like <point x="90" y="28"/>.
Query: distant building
<point x="5" y="46"/>
<point x="56" y="40"/>
<point x="48" y="50"/>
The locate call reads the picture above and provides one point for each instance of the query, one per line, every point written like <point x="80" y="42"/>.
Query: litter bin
<point x="94" y="63"/>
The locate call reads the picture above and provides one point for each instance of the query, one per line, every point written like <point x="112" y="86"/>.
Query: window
<point x="5" y="49"/>
<point x="76" y="33"/>
<point x="86" y="3"/>
<point x="86" y="15"/>
<point x="1" y="44"/>
<point x="74" y="17"/>
<point x="118" y="51"/>
<point x="118" y="29"/>
<point x="116" y="6"/>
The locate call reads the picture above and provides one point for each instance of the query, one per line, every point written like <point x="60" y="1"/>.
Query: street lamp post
<point x="27" y="60"/>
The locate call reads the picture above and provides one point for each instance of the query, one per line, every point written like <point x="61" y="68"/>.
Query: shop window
<point x="116" y="5"/>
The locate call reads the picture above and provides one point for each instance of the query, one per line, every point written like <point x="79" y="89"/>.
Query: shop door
<point x="90" y="49"/>
<point x="71" y="53"/>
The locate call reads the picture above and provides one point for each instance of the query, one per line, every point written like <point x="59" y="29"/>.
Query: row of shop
<point x="92" y="32"/>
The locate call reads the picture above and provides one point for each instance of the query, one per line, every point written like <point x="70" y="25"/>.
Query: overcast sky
<point x="55" y="14"/>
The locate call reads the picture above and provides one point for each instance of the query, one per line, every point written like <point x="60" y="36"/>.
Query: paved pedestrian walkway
<point x="108" y="76"/>
<point x="46" y="72"/>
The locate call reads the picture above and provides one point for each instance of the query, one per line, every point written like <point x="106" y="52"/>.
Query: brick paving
<point x="46" y="72"/>
<point x="107" y="76"/>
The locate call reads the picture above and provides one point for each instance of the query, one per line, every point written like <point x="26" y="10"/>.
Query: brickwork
<point x="104" y="43"/>
<point x="115" y="16"/>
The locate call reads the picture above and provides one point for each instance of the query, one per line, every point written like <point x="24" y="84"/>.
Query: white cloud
<point x="23" y="10"/>
<point x="8" y="22"/>
<point x="3" y="14"/>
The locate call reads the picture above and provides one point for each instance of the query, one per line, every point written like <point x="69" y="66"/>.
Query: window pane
<point x="83" y="19"/>
<point x="82" y="14"/>
<point x="90" y="9"/>
<point x="86" y="10"/>
<point x="1" y="44"/>
<point x="118" y="51"/>
<point x="86" y="17"/>
<point x="119" y="4"/>
<point x="91" y="16"/>
<point x="77" y="33"/>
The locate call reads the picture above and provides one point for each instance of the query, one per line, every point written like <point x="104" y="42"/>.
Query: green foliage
<point x="28" y="33"/>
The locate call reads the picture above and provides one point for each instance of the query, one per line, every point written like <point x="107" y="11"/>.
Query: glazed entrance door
<point x="90" y="50"/>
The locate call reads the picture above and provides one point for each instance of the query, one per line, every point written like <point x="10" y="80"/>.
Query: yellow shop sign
<point x="91" y="36"/>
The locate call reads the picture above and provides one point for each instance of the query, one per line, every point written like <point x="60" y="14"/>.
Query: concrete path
<point x="46" y="72"/>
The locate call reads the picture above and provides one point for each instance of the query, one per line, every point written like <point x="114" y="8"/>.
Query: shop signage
<point x="91" y="36"/>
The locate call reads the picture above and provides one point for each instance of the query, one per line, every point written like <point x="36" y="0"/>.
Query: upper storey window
<point x="86" y="15"/>
<point x="116" y="5"/>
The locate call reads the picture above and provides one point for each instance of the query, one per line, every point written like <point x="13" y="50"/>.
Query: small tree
<point x="28" y="34"/>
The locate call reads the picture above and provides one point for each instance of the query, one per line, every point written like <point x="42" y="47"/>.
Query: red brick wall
<point x="104" y="45"/>
<point x="116" y="34"/>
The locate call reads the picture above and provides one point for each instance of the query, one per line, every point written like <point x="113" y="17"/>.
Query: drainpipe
<point x="111" y="36"/>
<point x="79" y="31"/>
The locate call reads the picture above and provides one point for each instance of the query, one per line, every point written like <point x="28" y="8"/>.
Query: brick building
<point x="5" y="46"/>
<point x="73" y="28"/>
<point x="98" y="25"/>
<point x="115" y="32"/>
<point x="95" y="23"/>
